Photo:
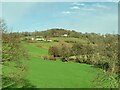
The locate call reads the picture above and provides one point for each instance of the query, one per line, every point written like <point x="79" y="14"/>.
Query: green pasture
<point x="57" y="74"/>
<point x="70" y="39"/>
<point x="53" y="74"/>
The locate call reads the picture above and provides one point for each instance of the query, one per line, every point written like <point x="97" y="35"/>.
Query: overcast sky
<point x="99" y="17"/>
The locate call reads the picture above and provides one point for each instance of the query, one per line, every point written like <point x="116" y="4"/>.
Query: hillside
<point x="57" y="74"/>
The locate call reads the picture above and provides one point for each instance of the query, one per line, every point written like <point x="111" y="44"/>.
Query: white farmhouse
<point x="40" y="39"/>
<point x="65" y="35"/>
<point x="49" y="40"/>
<point x="32" y="38"/>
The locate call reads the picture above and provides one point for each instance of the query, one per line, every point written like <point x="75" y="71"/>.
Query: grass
<point x="53" y="74"/>
<point x="57" y="74"/>
<point x="44" y="45"/>
<point x="46" y="74"/>
<point x="35" y="50"/>
<point x="70" y="39"/>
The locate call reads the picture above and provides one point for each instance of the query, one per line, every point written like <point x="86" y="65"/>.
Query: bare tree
<point x="12" y="51"/>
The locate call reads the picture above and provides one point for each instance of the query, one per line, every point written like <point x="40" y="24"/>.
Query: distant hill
<point x="59" y="32"/>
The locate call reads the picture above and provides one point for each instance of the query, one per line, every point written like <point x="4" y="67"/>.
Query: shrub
<point x="62" y="49"/>
<point x="52" y="58"/>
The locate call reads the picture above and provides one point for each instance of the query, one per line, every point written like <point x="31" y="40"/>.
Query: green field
<point x="53" y="74"/>
<point x="70" y="39"/>
<point x="57" y="74"/>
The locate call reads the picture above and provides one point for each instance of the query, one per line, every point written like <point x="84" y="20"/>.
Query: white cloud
<point x="78" y="4"/>
<point x="82" y="4"/>
<point x="59" y="0"/>
<point x="88" y="9"/>
<point x="101" y="6"/>
<point x="66" y="12"/>
<point x="75" y="7"/>
<point x="75" y="3"/>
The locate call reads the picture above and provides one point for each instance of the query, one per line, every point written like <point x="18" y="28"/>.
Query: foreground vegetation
<point x="57" y="74"/>
<point x="89" y="48"/>
<point x="76" y="59"/>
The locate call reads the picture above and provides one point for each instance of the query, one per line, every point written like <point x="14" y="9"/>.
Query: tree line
<point x="13" y="52"/>
<point x="100" y="50"/>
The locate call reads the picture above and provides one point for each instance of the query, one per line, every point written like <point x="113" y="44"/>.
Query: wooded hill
<point x="96" y="49"/>
<point x="89" y="48"/>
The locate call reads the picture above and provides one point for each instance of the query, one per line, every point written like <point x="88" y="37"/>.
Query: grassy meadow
<point x="43" y="73"/>
<point x="57" y="74"/>
<point x="59" y="45"/>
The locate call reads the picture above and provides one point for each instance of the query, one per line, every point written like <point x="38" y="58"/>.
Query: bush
<point x="72" y="58"/>
<point x="12" y="52"/>
<point x="56" y="40"/>
<point x="64" y="60"/>
<point x="48" y="58"/>
<point x="62" y="49"/>
<point x="52" y="58"/>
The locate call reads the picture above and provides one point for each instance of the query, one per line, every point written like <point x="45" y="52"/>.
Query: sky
<point x="98" y="17"/>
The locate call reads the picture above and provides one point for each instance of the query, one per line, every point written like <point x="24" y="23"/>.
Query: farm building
<point x="65" y="35"/>
<point x="41" y="39"/>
